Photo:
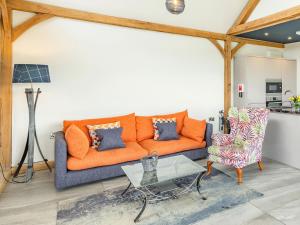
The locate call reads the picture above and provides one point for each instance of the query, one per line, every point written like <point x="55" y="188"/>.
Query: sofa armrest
<point x="61" y="156"/>
<point x="208" y="134"/>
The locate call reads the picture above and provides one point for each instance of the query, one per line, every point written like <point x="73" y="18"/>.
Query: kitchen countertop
<point x="285" y="110"/>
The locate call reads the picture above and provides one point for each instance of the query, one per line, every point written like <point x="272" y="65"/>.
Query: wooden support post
<point x="227" y="76"/>
<point x="6" y="92"/>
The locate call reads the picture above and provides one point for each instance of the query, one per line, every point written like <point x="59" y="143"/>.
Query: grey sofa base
<point x="65" y="178"/>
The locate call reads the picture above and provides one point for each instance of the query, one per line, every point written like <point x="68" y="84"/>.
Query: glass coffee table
<point x="165" y="182"/>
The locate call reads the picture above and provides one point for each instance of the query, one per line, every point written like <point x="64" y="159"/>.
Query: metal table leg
<point x="142" y="210"/>
<point x="123" y="193"/>
<point x="198" y="183"/>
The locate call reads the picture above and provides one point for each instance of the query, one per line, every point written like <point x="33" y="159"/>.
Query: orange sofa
<point x="138" y="137"/>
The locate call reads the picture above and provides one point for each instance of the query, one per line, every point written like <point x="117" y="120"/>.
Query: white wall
<point x="292" y="51"/>
<point x="98" y="70"/>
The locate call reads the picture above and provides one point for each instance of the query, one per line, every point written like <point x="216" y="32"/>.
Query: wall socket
<point x="52" y="135"/>
<point x="211" y="119"/>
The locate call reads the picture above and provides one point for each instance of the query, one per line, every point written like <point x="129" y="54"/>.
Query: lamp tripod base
<point x="31" y="138"/>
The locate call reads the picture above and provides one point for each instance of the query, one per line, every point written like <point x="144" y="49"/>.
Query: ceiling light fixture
<point x="266" y="34"/>
<point x="175" y="6"/>
<point x="290" y="38"/>
<point x="298" y="32"/>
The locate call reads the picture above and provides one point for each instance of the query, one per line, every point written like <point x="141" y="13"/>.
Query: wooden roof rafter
<point x="271" y="20"/>
<point x="246" y="12"/>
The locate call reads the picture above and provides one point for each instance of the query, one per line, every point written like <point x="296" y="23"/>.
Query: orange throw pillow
<point x="78" y="143"/>
<point x="144" y="124"/>
<point x="194" y="129"/>
<point x="127" y="123"/>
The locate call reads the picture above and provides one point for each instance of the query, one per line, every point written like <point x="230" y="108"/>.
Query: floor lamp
<point x="31" y="73"/>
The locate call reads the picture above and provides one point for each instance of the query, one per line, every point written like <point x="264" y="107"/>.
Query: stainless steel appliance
<point x="273" y="93"/>
<point x="273" y="101"/>
<point x="274" y="86"/>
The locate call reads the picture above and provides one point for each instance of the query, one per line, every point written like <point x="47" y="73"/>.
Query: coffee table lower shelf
<point x="149" y="197"/>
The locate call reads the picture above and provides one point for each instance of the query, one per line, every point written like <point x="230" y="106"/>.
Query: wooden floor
<point x="35" y="203"/>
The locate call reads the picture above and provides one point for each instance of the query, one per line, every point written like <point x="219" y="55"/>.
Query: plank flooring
<point x="36" y="202"/>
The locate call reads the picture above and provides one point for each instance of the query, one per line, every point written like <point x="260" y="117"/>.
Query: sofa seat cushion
<point x="132" y="151"/>
<point x="172" y="146"/>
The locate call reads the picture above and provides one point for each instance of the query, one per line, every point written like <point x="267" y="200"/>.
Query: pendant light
<point x="175" y="6"/>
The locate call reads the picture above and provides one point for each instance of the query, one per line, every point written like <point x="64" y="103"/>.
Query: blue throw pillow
<point x="110" y="138"/>
<point x="167" y="131"/>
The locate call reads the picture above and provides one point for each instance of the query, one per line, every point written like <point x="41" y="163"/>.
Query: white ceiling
<point x="212" y="15"/>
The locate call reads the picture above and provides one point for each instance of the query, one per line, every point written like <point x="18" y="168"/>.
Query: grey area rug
<point x="109" y="208"/>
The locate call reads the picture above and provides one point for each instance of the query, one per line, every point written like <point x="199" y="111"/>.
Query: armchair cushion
<point x="228" y="162"/>
<point x="230" y="152"/>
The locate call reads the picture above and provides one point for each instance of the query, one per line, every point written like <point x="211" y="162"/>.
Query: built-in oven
<point x="274" y="86"/>
<point x="273" y="104"/>
<point x="273" y="93"/>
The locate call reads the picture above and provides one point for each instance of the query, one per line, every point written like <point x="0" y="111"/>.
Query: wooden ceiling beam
<point x="20" y="29"/>
<point x="40" y="8"/>
<point x="267" y="21"/>
<point x="257" y="42"/>
<point x="246" y="13"/>
<point x="4" y="15"/>
<point x="33" y="7"/>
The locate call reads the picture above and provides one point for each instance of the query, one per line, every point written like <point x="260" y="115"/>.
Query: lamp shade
<point x="175" y="6"/>
<point x="31" y="73"/>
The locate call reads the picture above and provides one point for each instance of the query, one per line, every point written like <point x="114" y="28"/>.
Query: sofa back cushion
<point x="78" y="143"/>
<point x="127" y="123"/>
<point x="144" y="124"/>
<point x="194" y="129"/>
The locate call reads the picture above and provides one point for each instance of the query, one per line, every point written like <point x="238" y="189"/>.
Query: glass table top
<point x="167" y="169"/>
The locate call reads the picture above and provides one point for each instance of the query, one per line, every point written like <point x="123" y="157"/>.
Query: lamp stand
<point x="31" y="137"/>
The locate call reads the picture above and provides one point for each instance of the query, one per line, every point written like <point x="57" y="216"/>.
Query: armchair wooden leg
<point x="239" y="174"/>
<point x="209" y="167"/>
<point x="260" y="165"/>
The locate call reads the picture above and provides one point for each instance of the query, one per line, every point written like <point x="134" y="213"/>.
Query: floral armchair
<point x="243" y="146"/>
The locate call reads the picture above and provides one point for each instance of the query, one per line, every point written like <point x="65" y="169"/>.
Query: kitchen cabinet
<point x="289" y="79"/>
<point x="253" y="71"/>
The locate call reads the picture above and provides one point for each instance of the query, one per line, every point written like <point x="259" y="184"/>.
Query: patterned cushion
<point x="110" y="138"/>
<point x="95" y="139"/>
<point x="167" y="131"/>
<point x="160" y="120"/>
<point x="229" y="151"/>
